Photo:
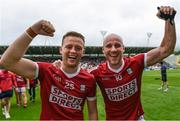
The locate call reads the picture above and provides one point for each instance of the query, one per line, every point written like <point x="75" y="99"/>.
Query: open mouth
<point x="113" y="55"/>
<point x="72" y="57"/>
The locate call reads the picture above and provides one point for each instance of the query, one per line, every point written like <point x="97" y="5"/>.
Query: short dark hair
<point x="73" y="33"/>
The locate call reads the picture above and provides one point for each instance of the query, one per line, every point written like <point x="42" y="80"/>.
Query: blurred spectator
<point x="21" y="90"/>
<point x="164" y="77"/>
<point x="32" y="89"/>
<point x="6" y="91"/>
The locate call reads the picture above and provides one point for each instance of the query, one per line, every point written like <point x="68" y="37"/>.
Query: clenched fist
<point x="43" y="27"/>
<point x="166" y="13"/>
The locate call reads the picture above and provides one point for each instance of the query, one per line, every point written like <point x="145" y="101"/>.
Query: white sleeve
<point x="145" y="59"/>
<point x="91" y="98"/>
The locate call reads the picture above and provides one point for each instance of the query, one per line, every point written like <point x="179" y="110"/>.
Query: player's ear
<point x="123" y="49"/>
<point x="103" y="49"/>
<point x="83" y="52"/>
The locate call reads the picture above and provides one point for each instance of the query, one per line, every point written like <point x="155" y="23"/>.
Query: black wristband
<point x="167" y="16"/>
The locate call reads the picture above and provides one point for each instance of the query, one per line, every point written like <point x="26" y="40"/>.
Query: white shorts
<point x="21" y="89"/>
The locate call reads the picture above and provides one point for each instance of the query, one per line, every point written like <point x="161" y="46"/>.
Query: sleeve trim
<point x="91" y="98"/>
<point x="145" y="59"/>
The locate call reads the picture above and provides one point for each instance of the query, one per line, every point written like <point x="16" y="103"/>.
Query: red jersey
<point x="31" y="81"/>
<point x="63" y="96"/>
<point x="6" y="81"/>
<point x="121" y="88"/>
<point x="21" y="82"/>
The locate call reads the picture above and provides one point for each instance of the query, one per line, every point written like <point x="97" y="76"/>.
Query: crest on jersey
<point x="118" y="77"/>
<point x="82" y="88"/>
<point x="57" y="77"/>
<point x="129" y="71"/>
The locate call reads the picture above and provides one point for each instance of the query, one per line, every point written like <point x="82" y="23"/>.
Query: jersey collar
<point x="71" y="75"/>
<point x="116" y="70"/>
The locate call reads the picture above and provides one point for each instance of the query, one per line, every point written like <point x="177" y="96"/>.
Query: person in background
<point x="6" y="91"/>
<point x="21" y="90"/>
<point x="164" y="77"/>
<point x="32" y="89"/>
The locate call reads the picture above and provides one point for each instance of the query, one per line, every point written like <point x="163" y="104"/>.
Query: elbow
<point x="171" y="51"/>
<point x="4" y="64"/>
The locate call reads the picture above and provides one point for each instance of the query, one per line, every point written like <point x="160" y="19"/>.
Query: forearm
<point x="169" y="40"/>
<point x="16" y="50"/>
<point x="92" y="110"/>
<point x="93" y="116"/>
<point x="168" y="43"/>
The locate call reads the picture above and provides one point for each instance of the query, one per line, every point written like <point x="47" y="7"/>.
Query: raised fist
<point x="43" y="27"/>
<point x="166" y="13"/>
